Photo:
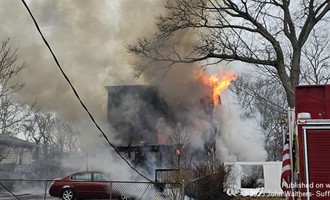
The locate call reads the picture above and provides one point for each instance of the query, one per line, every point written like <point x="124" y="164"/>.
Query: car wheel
<point x="67" y="194"/>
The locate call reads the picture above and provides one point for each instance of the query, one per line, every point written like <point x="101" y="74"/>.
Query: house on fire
<point x="136" y="114"/>
<point x="16" y="156"/>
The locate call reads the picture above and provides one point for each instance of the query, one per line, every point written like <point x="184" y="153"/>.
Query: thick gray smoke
<point x="142" y="113"/>
<point x="89" y="39"/>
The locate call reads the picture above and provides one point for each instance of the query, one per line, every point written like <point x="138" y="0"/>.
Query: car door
<point x="102" y="186"/>
<point x="83" y="185"/>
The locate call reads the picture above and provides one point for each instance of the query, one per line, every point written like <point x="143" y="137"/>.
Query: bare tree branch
<point x="269" y="34"/>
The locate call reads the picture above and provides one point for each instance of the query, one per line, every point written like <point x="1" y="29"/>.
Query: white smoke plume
<point x="241" y="139"/>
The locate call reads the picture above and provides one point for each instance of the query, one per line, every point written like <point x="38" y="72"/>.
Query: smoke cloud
<point x="241" y="139"/>
<point x="89" y="39"/>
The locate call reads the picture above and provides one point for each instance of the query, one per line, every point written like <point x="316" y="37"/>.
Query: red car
<point x="85" y="185"/>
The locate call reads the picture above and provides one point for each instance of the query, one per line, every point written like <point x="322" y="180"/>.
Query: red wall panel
<point x="314" y="99"/>
<point x="318" y="145"/>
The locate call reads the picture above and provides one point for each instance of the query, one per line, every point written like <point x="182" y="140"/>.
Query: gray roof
<point x="15" y="142"/>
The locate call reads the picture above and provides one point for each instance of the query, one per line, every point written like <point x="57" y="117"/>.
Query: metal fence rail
<point x="14" y="189"/>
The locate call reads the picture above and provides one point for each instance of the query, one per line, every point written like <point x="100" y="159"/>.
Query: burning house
<point x="138" y="116"/>
<point x="144" y="122"/>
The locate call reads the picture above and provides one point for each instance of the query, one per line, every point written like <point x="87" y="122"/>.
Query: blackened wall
<point x="133" y="112"/>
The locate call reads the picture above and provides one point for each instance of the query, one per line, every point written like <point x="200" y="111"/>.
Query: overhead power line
<point x="77" y="95"/>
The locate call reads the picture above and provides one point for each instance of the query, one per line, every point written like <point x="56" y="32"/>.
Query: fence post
<point x="45" y="195"/>
<point x="182" y="190"/>
<point x="110" y="190"/>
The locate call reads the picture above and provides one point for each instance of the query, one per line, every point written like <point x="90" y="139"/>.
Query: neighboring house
<point x="17" y="155"/>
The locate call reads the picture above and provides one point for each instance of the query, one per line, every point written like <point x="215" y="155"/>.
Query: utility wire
<point x="76" y="94"/>
<point x="9" y="191"/>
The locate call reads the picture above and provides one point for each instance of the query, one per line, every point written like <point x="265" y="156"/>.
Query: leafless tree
<point x="53" y="137"/>
<point x="175" y="156"/>
<point x="65" y="137"/>
<point x="9" y="69"/>
<point x="44" y="126"/>
<point x="12" y="112"/>
<point x="48" y="131"/>
<point x="269" y="34"/>
<point x="208" y="179"/>
<point x="265" y="96"/>
<point x="316" y="59"/>
<point x="12" y="115"/>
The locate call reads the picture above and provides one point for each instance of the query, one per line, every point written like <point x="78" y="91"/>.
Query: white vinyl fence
<point x="271" y="178"/>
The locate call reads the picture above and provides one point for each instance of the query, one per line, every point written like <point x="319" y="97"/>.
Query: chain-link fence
<point x="14" y="189"/>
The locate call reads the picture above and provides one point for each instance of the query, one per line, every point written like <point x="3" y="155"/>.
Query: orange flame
<point x="218" y="84"/>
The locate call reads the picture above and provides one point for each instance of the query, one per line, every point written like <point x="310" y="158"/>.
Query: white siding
<point x="11" y="157"/>
<point x="27" y="156"/>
